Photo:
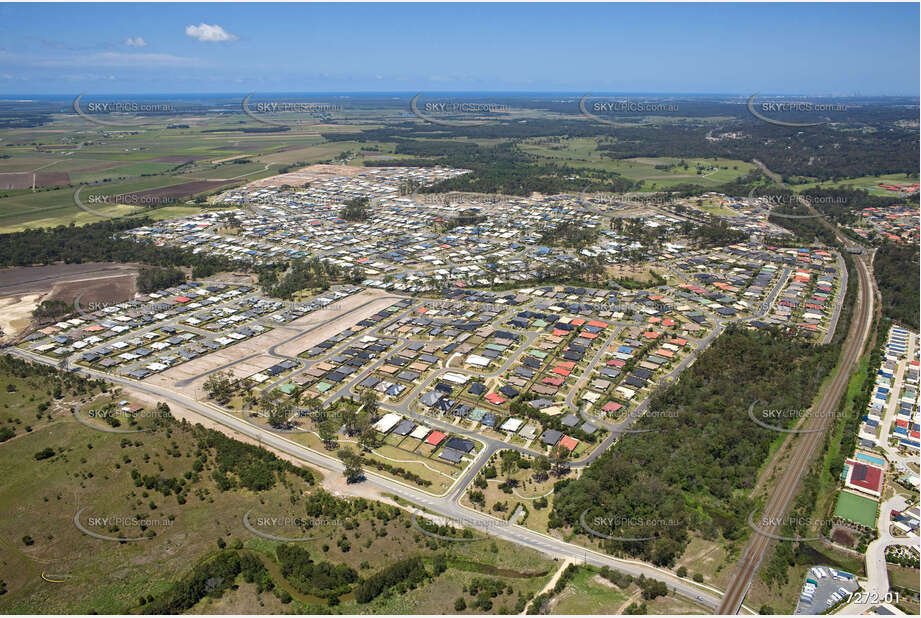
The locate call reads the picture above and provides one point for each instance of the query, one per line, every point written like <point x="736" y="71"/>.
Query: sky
<point x="119" y="48"/>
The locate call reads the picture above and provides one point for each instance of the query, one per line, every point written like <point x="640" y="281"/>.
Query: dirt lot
<point x="172" y="193"/>
<point x="16" y="313"/>
<point x="95" y="292"/>
<point x="253" y="355"/>
<point x="30" y="279"/>
<point x="26" y="180"/>
<point x="312" y="173"/>
<point x="22" y="289"/>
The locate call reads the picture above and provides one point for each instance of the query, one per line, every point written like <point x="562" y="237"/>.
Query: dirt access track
<point x="39" y="279"/>
<point x="284" y="341"/>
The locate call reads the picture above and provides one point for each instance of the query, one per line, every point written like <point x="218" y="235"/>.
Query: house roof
<point x="435" y="438"/>
<point x="569" y="442"/>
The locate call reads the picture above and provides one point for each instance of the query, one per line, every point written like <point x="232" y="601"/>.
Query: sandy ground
<point x="16" y="313"/>
<point x="311" y="173"/>
<point x="259" y="346"/>
<point x="553" y="580"/>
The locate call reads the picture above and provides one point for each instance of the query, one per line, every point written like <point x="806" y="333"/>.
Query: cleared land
<point x="655" y="173"/>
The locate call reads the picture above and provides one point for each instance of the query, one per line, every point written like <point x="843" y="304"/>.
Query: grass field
<point x="588" y="593"/>
<point x="582" y="152"/>
<point x="92" y="470"/>
<point x="869" y="183"/>
<point x="713" y="206"/>
<point x="857" y="509"/>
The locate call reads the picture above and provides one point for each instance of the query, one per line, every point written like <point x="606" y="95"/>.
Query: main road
<point x="444" y="506"/>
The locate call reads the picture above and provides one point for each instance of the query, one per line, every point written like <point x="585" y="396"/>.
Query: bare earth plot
<point x="311" y="173"/>
<point x="95" y="291"/>
<point x="23" y="288"/>
<point x="252" y="355"/>
<point x="16" y="313"/>
<point x="21" y="280"/>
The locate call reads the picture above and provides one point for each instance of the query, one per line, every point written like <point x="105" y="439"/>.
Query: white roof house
<point x="477" y="360"/>
<point x="387" y="422"/>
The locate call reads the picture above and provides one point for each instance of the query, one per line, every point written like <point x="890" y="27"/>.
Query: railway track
<point x="805" y="447"/>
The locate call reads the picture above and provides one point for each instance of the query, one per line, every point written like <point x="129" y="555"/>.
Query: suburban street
<point x="444" y="506"/>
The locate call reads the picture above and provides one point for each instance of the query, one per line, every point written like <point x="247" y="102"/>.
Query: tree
<point x="328" y="433"/>
<point x="218" y="386"/>
<point x="314" y="406"/>
<point x="370" y="401"/>
<point x="368" y="438"/>
<point x="541" y="468"/>
<point x="558" y="456"/>
<point x="349" y="417"/>
<point x="279" y="414"/>
<point x="353" y="471"/>
<point x="509" y="463"/>
<point x="356" y="209"/>
<point x="460" y="604"/>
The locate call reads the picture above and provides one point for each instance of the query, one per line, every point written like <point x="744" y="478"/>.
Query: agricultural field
<point x="41" y="167"/>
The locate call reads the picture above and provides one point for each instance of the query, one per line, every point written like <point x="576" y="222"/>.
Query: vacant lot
<point x="28" y="180"/>
<point x="21" y="280"/>
<point x="252" y="355"/>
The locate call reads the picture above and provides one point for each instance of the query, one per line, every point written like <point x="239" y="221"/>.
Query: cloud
<point x="209" y="34"/>
<point x="135" y="41"/>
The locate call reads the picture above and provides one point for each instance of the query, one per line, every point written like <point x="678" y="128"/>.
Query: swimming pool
<point x="876" y="461"/>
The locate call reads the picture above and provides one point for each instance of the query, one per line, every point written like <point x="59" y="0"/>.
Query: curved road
<point x="705" y="595"/>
